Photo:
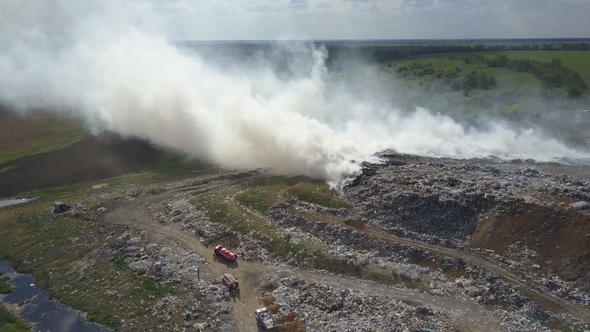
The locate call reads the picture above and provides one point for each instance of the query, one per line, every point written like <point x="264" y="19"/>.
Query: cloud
<point x="418" y="3"/>
<point x="322" y="4"/>
<point x="299" y="4"/>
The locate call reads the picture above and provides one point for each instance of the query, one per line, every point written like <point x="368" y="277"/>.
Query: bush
<point x="5" y="287"/>
<point x="9" y="323"/>
<point x="574" y="92"/>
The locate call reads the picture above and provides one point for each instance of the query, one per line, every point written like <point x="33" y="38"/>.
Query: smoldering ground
<point x="281" y="109"/>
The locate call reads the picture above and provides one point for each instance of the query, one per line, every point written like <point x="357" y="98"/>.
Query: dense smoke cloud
<point x="109" y="69"/>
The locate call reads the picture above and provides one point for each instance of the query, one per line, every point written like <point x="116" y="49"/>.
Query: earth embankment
<point x="93" y="158"/>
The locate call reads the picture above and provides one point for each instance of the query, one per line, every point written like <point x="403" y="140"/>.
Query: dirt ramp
<point x="93" y="158"/>
<point x="558" y="237"/>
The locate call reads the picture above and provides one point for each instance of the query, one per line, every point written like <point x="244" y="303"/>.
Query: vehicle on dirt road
<point x="227" y="254"/>
<point x="60" y="207"/>
<point x="266" y="321"/>
<point x="231" y="283"/>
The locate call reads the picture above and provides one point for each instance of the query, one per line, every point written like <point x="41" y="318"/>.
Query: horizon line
<point x="388" y="39"/>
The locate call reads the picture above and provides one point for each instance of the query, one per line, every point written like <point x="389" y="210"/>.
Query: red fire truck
<point x="230" y="282"/>
<point x="228" y="255"/>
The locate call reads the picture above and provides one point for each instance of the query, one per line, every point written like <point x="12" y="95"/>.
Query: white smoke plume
<point x="110" y="69"/>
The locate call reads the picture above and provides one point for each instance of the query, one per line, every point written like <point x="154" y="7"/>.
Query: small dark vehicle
<point x="60" y="207"/>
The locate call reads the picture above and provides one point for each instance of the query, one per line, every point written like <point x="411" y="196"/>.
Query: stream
<point x="39" y="309"/>
<point x="9" y="202"/>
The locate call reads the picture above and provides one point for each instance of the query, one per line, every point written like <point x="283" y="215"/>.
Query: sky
<point x="324" y="19"/>
<point x="368" y="19"/>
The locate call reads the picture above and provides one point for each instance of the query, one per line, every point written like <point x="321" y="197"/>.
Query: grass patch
<point x="34" y="222"/>
<point x="319" y="260"/>
<point x="5" y="287"/>
<point x="151" y="289"/>
<point x="264" y="194"/>
<point x="578" y="61"/>
<point x="100" y="314"/>
<point x="9" y="323"/>
<point x="221" y="208"/>
<point x="317" y="192"/>
<point x="104" y="316"/>
<point x="259" y="199"/>
<point x="121" y="262"/>
<point x="284" y="248"/>
<point x="179" y="163"/>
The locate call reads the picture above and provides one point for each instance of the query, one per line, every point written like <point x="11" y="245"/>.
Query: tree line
<point x="390" y="53"/>
<point x="552" y="74"/>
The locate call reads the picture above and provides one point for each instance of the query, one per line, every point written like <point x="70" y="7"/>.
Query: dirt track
<point x="546" y="301"/>
<point x="464" y="313"/>
<point x="134" y="214"/>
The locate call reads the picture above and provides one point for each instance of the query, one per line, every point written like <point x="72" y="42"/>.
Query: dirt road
<point x="135" y="214"/>
<point x="546" y="301"/>
<point x="464" y="313"/>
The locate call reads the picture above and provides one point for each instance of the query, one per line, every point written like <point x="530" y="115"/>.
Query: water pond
<point x="9" y="202"/>
<point x="38" y="308"/>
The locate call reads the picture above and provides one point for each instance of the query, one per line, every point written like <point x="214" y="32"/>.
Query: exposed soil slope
<point x="93" y="158"/>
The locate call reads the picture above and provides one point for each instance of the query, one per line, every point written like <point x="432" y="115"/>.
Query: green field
<point x="419" y="87"/>
<point x="426" y="90"/>
<point x="35" y="133"/>
<point x="578" y="61"/>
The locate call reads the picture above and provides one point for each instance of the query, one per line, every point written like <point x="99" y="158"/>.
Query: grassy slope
<point x="8" y="322"/>
<point x="36" y="133"/>
<point x="180" y="164"/>
<point x="22" y="136"/>
<point x="5" y="287"/>
<point x="63" y="252"/>
<point x="245" y="209"/>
